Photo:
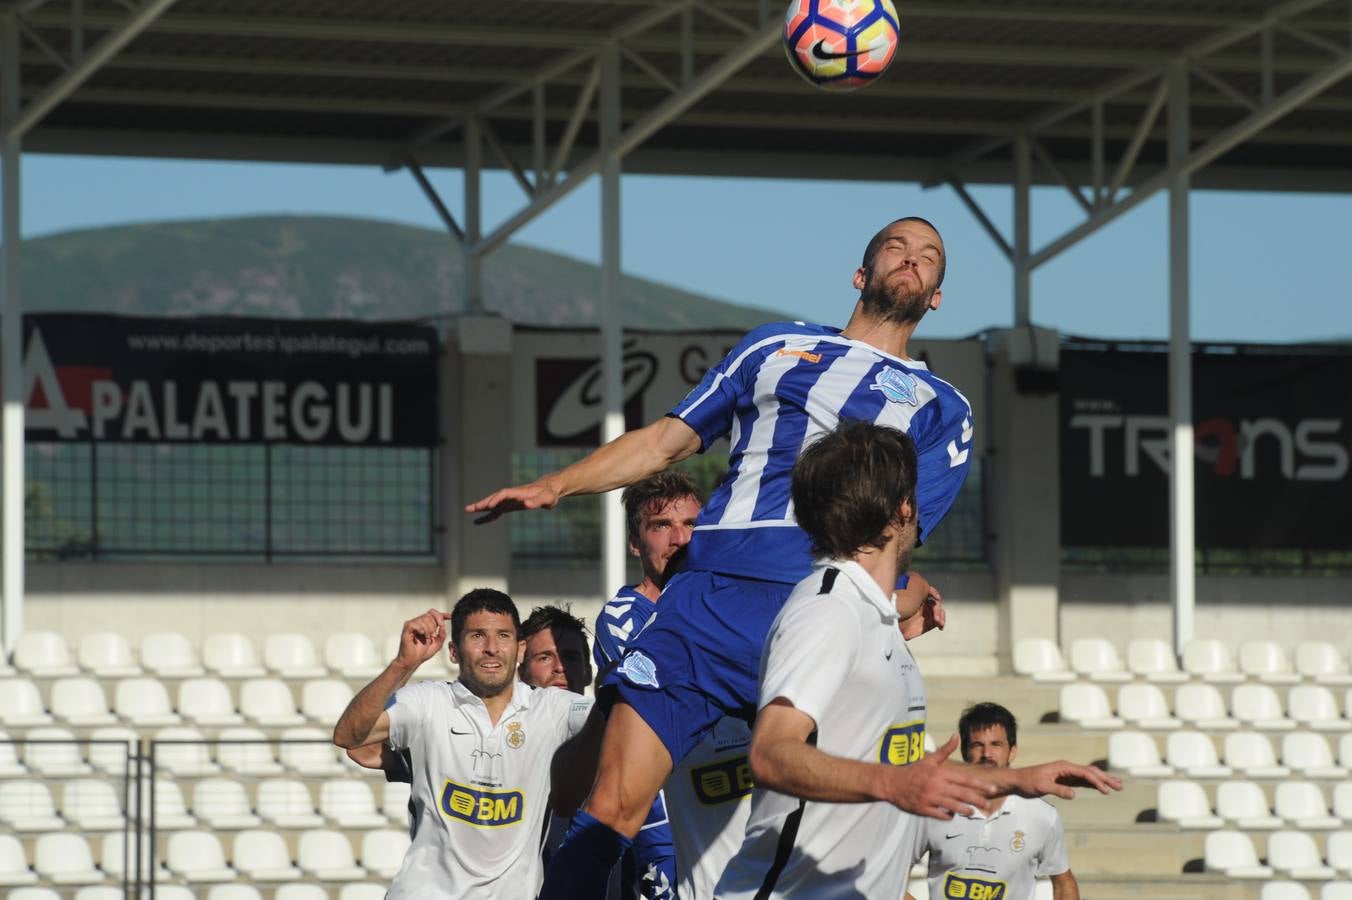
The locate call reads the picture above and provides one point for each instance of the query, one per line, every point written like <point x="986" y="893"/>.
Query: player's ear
<point x="633" y="548"/>
<point x="937" y="298"/>
<point x="860" y="278"/>
<point x="906" y="512"/>
<point x="455" y="652"/>
<point x="1013" y="752"/>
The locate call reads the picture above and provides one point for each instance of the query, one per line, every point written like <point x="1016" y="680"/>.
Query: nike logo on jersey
<point x="453" y="731"/>
<point x="949" y="837"/>
<point x="819" y="51"/>
<point x="888" y="656"/>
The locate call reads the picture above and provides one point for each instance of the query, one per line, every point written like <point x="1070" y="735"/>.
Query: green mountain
<point x="326" y="267"/>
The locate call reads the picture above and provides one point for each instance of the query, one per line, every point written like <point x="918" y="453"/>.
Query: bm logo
<point x="719" y="782"/>
<point x="956" y="887"/>
<point x="902" y="744"/>
<point x="482" y="809"/>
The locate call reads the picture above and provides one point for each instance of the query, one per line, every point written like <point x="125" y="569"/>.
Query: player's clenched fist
<point x="928" y="787"/>
<point x="422" y="638"/>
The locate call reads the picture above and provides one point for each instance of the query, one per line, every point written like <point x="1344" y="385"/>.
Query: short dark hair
<point x="658" y="490"/>
<point x="555" y="618"/>
<point x="482" y="600"/>
<point x="849" y="485"/>
<point x="986" y="715"/>
<point x="875" y="244"/>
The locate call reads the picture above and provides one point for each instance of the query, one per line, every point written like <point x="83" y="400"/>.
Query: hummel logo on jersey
<point x="896" y="385"/>
<point x="639" y="669"/>
<point x="819" y="51"/>
<point x="806" y="355"/>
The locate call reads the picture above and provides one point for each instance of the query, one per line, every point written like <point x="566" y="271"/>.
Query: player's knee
<point x="622" y="810"/>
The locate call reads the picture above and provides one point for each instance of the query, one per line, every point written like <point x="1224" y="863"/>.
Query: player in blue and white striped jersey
<point x="780" y="388"/>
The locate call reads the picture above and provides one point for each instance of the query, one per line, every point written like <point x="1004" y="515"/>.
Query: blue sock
<point x="580" y="868"/>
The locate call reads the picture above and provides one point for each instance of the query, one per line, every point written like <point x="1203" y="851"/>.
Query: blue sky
<point x="1265" y="267"/>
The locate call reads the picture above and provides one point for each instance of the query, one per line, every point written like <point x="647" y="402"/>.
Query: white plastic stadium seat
<point x="286" y="803"/>
<point x="1251" y="753"/>
<point x="1313" y="706"/>
<point x="1321" y="662"/>
<point x="262" y="856"/>
<point x="1295" y="853"/>
<point x="1345" y="751"/>
<point x="1193" y="754"/>
<point x="81" y="702"/>
<point x="33" y="893"/>
<point x="101" y="892"/>
<point x="1266" y="661"/>
<point x="1302" y="804"/>
<point x="92" y="804"/>
<point x="362" y="892"/>
<point x="1342" y="800"/>
<point x="1243" y="804"/>
<point x="1258" y="706"/>
<point x="1135" y="753"/>
<point x="309" y="751"/>
<point x="233" y="892"/>
<point x="221" y="804"/>
<point x="65" y="859"/>
<point x="1309" y="754"/>
<point x="183" y="752"/>
<point x="327" y="855"/>
<point x="169" y="655"/>
<point x="1097" y="659"/>
<point x="107" y="655"/>
<point x="143" y="702"/>
<point x="268" y="701"/>
<point x="206" y="702"/>
<point x="1153" y="660"/>
<point x="1338" y="852"/>
<point x="1202" y="706"/>
<point x="1210" y="660"/>
<point x="382" y="851"/>
<point x="323" y="700"/>
<point x="54" y="753"/>
<point x="10" y="767"/>
<point x="352" y="655"/>
<point x="1336" y="890"/>
<point x="301" y="892"/>
<point x="1232" y="853"/>
<point x="112" y="749"/>
<point x="1283" y="890"/>
<point x="246" y="751"/>
<point x="349" y="803"/>
<point x="111" y="861"/>
<point x="43" y="654"/>
<point x="1041" y="659"/>
<point x="171" y="813"/>
<point x="197" y="858"/>
<point x="26" y="806"/>
<point x="1087" y="706"/>
<point x="231" y="656"/>
<point x="292" y="656"/>
<point x="394" y="801"/>
<point x="1144" y="706"/>
<point x="1185" y="804"/>
<point x="21" y="704"/>
<point x="14" y="863"/>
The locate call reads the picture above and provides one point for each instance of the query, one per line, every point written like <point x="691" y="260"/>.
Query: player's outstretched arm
<point x="631" y="457"/>
<point x="1065" y="887"/>
<point x="365" y="720"/>
<point x="1058" y="779"/>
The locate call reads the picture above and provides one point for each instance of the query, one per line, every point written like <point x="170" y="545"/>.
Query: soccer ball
<point x="841" y="45"/>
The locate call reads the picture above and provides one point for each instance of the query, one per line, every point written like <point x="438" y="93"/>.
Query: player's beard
<point x="483" y="684"/>
<point x="897" y="303"/>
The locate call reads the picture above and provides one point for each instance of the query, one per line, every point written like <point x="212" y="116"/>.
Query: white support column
<point x="474" y="162"/>
<point x="1182" y="558"/>
<point x="1023" y="205"/>
<point x="612" y="310"/>
<point x="11" y="344"/>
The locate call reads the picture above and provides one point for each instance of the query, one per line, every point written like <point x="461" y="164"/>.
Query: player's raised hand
<point x="422" y="638"/>
<point x="928" y="787"/>
<point x="536" y="495"/>
<point x="1061" y="777"/>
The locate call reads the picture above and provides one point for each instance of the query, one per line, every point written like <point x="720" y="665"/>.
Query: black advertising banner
<point x="229" y="380"/>
<point x="1273" y="438"/>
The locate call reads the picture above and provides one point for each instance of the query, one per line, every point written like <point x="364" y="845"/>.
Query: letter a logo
<point x="39" y="372"/>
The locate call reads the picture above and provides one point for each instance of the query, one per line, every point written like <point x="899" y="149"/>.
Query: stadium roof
<point x="369" y="82"/>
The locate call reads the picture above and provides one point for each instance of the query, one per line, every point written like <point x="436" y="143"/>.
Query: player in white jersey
<point x="1000" y="855"/>
<point x="481" y="748"/>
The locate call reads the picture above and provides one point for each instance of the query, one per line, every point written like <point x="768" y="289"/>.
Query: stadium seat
<point x="231" y="656"/>
<point x="323" y="700"/>
<point x="262" y="856"/>
<point x="382" y="851"/>
<point x="65" y="859"/>
<point x="1185" y="804"/>
<point x="1345" y="751"/>
<point x="1313" y="706"/>
<point x="309" y="751"/>
<point x="43" y="654"/>
<point x="1283" y="890"/>
<point x="14" y="863"/>
<point x="292" y="656"/>
<point x="1308" y="753"/>
<point x="143" y="702"/>
<point x="1202" y="706"/>
<point x="10" y="767"/>
<point x="1258" y="706"/>
<point x="1342" y="800"/>
<point x="352" y="655"/>
<point x="1302" y="804"/>
<point x="362" y="892"/>
<point x="1266" y="661"/>
<point x="111" y="860"/>
<point x="81" y="702"/>
<point x="206" y="702"/>
<point x="92" y="804"/>
<point x="1193" y="754"/>
<point x="26" y="806"/>
<point x="349" y="803"/>
<point x="1144" y="706"/>
<point x="182" y="752"/>
<point x="246" y="751"/>
<point x="1231" y="853"/>
<point x="268" y="701"/>
<point x="1154" y="660"/>
<point x="1338" y="852"/>
<point x="1087" y="706"/>
<point x="197" y="858"/>
<point x="394" y="801"/>
<point x="169" y="654"/>
<point x="33" y="893"/>
<point x="107" y="655"/>
<point x="21" y="704"/>
<point x="1295" y="854"/>
<point x="101" y="892"/>
<point x="1336" y="890"/>
<point x="1243" y="804"/>
<point x="1097" y="660"/>
<point x="300" y="892"/>
<point x="1251" y="753"/>
<point x="286" y="803"/>
<point x="233" y="892"/>
<point x="172" y="891"/>
<point x="171" y="813"/>
<point x="112" y="750"/>
<point x="1036" y="657"/>
<point x="221" y="804"/>
<point x="1210" y="660"/>
<point x="1321" y="662"/>
<point x="1133" y="752"/>
<point x="54" y="753"/>
<point x="327" y="855"/>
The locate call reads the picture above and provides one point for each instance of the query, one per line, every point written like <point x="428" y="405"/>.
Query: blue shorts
<point x="698" y="659"/>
